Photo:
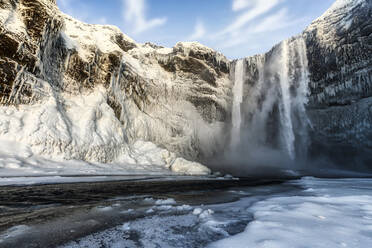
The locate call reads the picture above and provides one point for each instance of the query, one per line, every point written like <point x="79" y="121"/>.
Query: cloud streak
<point x="135" y="15"/>
<point x="241" y="4"/>
<point x="277" y="21"/>
<point x="254" y="20"/>
<point x="199" y="31"/>
<point x="257" y="8"/>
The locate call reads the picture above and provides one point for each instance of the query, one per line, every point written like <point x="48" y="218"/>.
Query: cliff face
<point x="339" y="45"/>
<point x="71" y="90"/>
<point x="88" y="92"/>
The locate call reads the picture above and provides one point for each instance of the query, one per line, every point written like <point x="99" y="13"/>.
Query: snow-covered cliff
<point x="75" y="91"/>
<point x="71" y="90"/>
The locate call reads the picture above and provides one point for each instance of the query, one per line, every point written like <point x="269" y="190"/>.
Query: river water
<point x="307" y="212"/>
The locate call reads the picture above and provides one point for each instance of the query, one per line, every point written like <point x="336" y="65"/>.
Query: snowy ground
<point x="332" y="213"/>
<point x="304" y="213"/>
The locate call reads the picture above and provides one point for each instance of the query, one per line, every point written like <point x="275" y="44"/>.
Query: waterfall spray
<point x="272" y="122"/>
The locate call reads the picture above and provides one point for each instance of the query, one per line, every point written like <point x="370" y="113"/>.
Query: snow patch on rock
<point x="182" y="166"/>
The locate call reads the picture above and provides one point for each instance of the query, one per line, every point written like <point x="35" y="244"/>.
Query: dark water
<point x="53" y="215"/>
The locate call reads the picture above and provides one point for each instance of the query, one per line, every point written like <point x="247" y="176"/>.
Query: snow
<point x="168" y="201"/>
<point x="342" y="4"/>
<point x="77" y="135"/>
<point x="206" y="214"/>
<point x="185" y="167"/>
<point x="337" y="213"/>
<point x="197" y="211"/>
<point x="10" y="20"/>
<point x="165" y="50"/>
<point x="155" y="231"/>
<point x="69" y="43"/>
<point x="88" y="35"/>
<point x="339" y="13"/>
<point x="195" y="46"/>
<point x="73" y="131"/>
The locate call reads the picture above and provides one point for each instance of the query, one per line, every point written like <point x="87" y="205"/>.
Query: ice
<point x="197" y="211"/>
<point x="127" y="211"/>
<point x="168" y="201"/>
<point x="104" y="209"/>
<point x="13" y="232"/>
<point x="157" y="231"/>
<point x="206" y="213"/>
<point x="184" y="208"/>
<point x="166" y="205"/>
<point x="150" y="211"/>
<point x="336" y="214"/>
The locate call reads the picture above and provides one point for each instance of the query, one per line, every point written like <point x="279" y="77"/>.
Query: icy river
<point x="306" y="212"/>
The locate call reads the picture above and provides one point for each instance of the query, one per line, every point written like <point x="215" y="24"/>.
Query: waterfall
<point x="286" y="102"/>
<point x="273" y="115"/>
<point x="294" y="79"/>
<point x="237" y="101"/>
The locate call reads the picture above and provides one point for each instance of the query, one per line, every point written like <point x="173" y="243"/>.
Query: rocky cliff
<point x="88" y="92"/>
<point x="339" y="47"/>
<point x="71" y="90"/>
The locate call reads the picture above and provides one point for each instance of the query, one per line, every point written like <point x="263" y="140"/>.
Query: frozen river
<point x="308" y="212"/>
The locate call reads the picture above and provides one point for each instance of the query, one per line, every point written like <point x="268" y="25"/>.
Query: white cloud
<point x="241" y="4"/>
<point x="258" y="8"/>
<point x="278" y="20"/>
<point x="257" y="25"/>
<point x="199" y="31"/>
<point x="135" y="14"/>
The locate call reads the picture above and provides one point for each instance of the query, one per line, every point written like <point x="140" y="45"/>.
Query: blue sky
<point x="237" y="28"/>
